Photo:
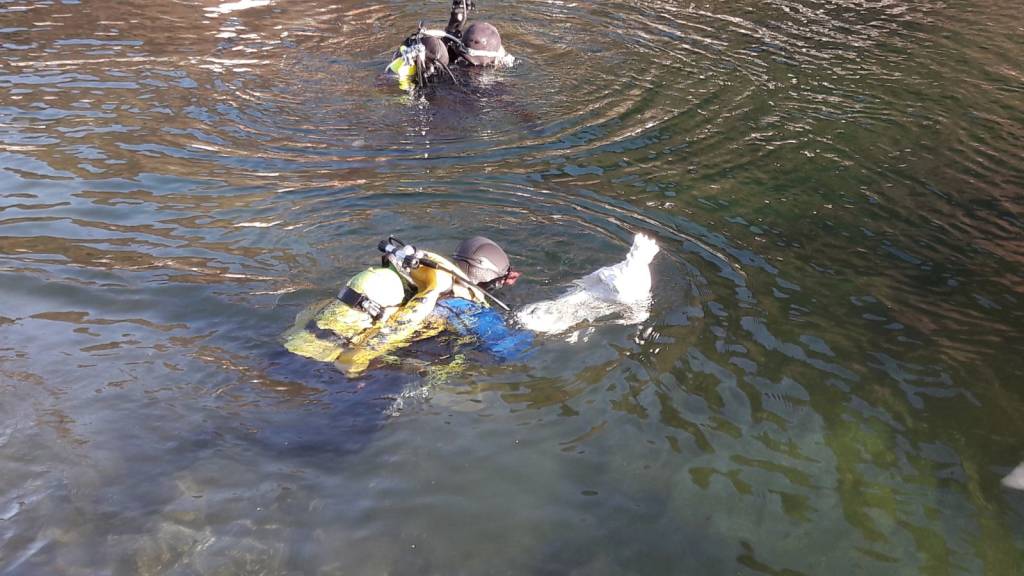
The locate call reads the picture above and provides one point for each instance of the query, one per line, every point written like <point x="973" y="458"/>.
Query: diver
<point x="414" y="295"/>
<point x="427" y="55"/>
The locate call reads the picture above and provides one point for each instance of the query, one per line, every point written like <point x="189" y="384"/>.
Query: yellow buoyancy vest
<point x="331" y="331"/>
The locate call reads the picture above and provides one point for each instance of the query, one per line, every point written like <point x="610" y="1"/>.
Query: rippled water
<point x="829" y="382"/>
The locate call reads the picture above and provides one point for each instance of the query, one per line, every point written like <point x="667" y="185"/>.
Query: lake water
<point x="829" y="382"/>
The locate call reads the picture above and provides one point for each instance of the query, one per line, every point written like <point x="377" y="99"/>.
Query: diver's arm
<point x="487" y="327"/>
<point x="459" y="15"/>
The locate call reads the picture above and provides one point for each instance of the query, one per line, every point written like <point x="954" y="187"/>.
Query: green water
<point x="829" y="382"/>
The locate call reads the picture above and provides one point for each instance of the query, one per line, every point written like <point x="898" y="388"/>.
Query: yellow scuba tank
<point x="299" y="340"/>
<point x="404" y="71"/>
<point x="325" y="329"/>
<point x="404" y="66"/>
<point x="405" y="325"/>
<point x="342" y="332"/>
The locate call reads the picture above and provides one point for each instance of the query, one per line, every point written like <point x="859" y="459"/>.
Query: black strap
<point x="325" y="334"/>
<point x="360" y="302"/>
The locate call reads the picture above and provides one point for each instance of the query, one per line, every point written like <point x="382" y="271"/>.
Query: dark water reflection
<point x="827" y="383"/>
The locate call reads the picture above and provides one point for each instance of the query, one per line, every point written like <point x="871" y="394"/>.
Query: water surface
<point x="828" y="383"/>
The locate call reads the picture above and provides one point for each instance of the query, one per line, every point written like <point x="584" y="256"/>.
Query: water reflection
<point x="827" y="366"/>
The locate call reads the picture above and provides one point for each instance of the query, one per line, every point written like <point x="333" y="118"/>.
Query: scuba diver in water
<point x="417" y="294"/>
<point x="414" y="295"/>
<point x="427" y="55"/>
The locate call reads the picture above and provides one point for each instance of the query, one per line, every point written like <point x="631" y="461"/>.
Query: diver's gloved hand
<point x="463" y="5"/>
<point x="459" y="15"/>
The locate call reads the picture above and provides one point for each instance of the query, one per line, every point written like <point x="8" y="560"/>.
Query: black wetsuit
<point x="456" y="22"/>
<point x="457" y="19"/>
